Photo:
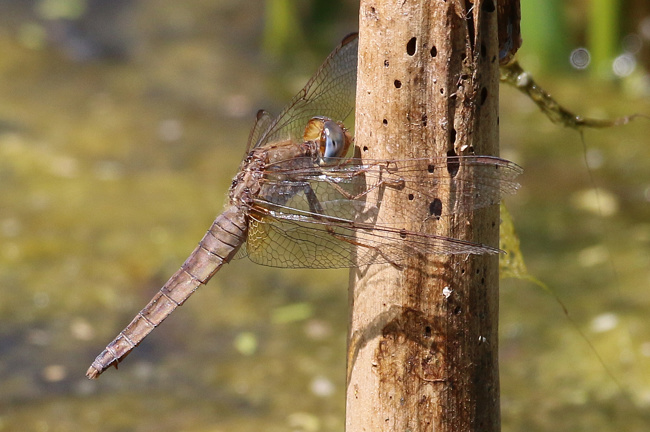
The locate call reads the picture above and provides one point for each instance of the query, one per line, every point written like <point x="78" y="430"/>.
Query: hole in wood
<point x="386" y="63"/>
<point x="385" y="121"/>
<point x="411" y="197"/>
<point x="488" y="6"/>
<point x="410" y="46"/>
<point x="435" y="208"/>
<point x="452" y="163"/>
<point x="434" y="51"/>
<point x="398" y="84"/>
<point x="484" y="94"/>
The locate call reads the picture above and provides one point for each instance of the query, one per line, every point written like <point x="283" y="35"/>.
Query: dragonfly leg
<point x="383" y="182"/>
<point x="316" y="208"/>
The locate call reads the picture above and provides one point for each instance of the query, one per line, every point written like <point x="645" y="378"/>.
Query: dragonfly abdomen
<point x="218" y="246"/>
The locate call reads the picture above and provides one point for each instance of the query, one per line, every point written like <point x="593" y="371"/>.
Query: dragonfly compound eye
<point x="333" y="141"/>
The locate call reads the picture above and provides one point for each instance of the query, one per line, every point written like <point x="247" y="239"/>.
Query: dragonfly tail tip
<point x="92" y="373"/>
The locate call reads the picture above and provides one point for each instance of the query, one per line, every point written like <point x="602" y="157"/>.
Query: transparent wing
<point x="330" y="93"/>
<point x="323" y="217"/>
<point x="335" y="244"/>
<point x="474" y="181"/>
<point x="262" y="124"/>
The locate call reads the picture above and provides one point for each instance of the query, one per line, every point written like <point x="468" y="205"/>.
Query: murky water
<point x="115" y="158"/>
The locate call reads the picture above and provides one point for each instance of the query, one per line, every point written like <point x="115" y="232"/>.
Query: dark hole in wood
<point x="398" y="84"/>
<point x="435" y="208"/>
<point x="385" y="122"/>
<point x="453" y="165"/>
<point x="386" y="63"/>
<point x="484" y="94"/>
<point x="402" y="233"/>
<point x="411" y="197"/>
<point x="488" y="6"/>
<point x="434" y="51"/>
<point x="424" y="119"/>
<point x="430" y="168"/>
<point x="410" y="46"/>
<point x="458" y="310"/>
<point x="427" y="331"/>
<point x="365" y="148"/>
<point x="452" y="136"/>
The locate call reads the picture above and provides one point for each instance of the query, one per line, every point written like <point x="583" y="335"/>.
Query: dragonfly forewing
<point x="326" y="217"/>
<point x="330" y="93"/>
<point x="345" y="189"/>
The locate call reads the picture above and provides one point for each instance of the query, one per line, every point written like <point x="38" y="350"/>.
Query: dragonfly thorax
<point x="246" y="184"/>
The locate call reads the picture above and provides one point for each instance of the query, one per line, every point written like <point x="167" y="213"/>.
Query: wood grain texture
<point x="423" y="338"/>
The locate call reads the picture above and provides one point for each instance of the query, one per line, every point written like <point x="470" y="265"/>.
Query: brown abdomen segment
<point x="218" y="246"/>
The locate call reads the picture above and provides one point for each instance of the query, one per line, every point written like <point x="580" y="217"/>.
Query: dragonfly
<point x="302" y="199"/>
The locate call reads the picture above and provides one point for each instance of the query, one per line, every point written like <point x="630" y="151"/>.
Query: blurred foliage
<point x="604" y="35"/>
<point x="607" y="29"/>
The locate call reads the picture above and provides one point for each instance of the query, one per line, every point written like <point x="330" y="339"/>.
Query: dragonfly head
<point x="332" y="137"/>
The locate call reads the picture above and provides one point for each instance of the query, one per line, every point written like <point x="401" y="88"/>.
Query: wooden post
<point x="423" y="340"/>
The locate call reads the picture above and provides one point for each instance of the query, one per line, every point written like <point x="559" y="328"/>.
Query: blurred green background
<point x="121" y="125"/>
